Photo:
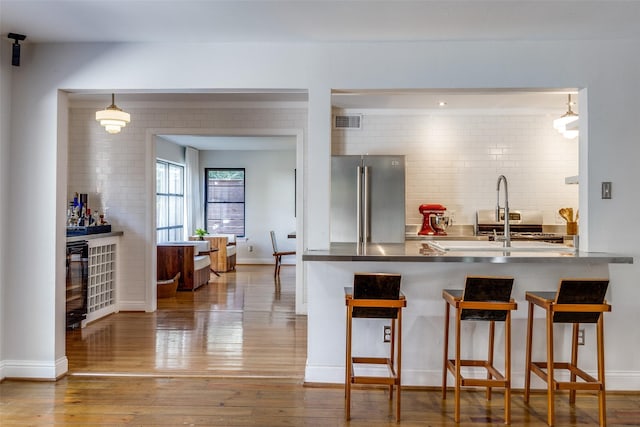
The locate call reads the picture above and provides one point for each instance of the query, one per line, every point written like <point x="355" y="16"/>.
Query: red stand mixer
<point x="435" y="221"/>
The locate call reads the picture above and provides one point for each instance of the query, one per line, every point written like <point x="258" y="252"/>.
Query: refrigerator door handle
<point x="359" y="205"/>
<point x="365" y="206"/>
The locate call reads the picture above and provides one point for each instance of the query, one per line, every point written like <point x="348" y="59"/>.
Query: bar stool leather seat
<point x="576" y="301"/>
<point x="483" y="299"/>
<point x="375" y="295"/>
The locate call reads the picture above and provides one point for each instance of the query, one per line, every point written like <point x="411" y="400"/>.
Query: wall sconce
<point x="567" y="124"/>
<point x="113" y="118"/>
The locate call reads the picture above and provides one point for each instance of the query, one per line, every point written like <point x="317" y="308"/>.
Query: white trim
<point x="136" y="305"/>
<point x="615" y="380"/>
<point x="150" y="259"/>
<point x="41" y="370"/>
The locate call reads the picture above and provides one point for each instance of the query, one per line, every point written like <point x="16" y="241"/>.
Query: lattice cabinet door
<point x="101" y="288"/>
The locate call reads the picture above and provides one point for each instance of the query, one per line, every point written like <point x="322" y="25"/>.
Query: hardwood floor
<point x="240" y="324"/>
<point x="233" y="354"/>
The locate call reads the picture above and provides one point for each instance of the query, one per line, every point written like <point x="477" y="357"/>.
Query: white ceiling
<point x="201" y="21"/>
<point x="310" y="21"/>
<point x="319" y="21"/>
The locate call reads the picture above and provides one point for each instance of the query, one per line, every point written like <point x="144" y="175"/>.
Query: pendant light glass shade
<point x="113" y="118"/>
<point x="565" y="124"/>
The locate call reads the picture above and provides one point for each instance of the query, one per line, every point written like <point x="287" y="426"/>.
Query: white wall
<point x="608" y="148"/>
<point x="169" y="151"/>
<point x="5" y="137"/>
<point x="455" y="160"/>
<point x="33" y="344"/>
<point x="269" y="198"/>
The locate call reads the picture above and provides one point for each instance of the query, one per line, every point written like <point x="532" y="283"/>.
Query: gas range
<point x="524" y="225"/>
<point x="540" y="237"/>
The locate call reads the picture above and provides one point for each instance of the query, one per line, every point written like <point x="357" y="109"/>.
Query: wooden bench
<point x="186" y="258"/>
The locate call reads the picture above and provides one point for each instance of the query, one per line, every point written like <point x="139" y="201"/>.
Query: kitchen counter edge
<point x="410" y="252"/>
<point x="94" y="236"/>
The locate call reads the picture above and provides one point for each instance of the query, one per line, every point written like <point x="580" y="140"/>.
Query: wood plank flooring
<point x="233" y="354"/>
<point x="240" y="324"/>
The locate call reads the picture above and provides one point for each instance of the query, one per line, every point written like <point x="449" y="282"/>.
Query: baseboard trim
<point x="132" y="306"/>
<point x="35" y="370"/>
<point x="328" y="375"/>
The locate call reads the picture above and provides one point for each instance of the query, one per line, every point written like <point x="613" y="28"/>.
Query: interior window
<point x="224" y="200"/>
<point x="169" y="201"/>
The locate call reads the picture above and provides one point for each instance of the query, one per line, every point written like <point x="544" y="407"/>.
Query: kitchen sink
<point x="517" y="246"/>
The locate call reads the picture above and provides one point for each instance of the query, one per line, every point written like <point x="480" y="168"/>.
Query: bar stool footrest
<point x="374" y="380"/>
<point x="371" y="360"/>
<point x="497" y="380"/>
<point x="390" y="379"/>
<point x="589" y="382"/>
<point x="495" y="373"/>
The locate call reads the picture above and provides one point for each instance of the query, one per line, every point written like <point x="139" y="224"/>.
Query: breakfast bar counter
<point x="425" y="272"/>
<point x="469" y="252"/>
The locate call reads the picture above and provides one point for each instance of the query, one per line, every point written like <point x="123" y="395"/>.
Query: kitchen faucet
<point x="507" y="231"/>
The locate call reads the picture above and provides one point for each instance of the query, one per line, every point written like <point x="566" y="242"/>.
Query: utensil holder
<point x="572" y="228"/>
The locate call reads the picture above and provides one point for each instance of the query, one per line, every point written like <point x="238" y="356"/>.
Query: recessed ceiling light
<point x="442" y="104"/>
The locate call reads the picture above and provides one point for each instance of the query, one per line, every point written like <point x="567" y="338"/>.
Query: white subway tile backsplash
<point x="456" y="160"/>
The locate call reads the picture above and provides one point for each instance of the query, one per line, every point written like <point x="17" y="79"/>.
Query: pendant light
<point x="113" y="118"/>
<point x="567" y="124"/>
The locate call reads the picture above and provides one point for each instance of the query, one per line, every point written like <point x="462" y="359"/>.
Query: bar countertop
<point x="94" y="236"/>
<point x="415" y="251"/>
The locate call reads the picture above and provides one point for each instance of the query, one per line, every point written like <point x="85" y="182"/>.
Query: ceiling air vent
<point x="352" y="121"/>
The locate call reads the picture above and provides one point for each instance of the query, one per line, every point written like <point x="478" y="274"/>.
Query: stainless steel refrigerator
<point x="367" y="199"/>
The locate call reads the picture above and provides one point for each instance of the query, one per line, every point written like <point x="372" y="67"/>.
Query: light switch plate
<point x="606" y="190"/>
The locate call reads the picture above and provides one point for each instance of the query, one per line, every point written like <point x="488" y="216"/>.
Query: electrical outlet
<point x="250" y="247"/>
<point x="387" y="333"/>
<point x="606" y="190"/>
<point x="581" y="337"/>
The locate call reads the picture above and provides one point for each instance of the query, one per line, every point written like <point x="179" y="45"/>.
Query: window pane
<point x="175" y="179"/>
<point x="175" y="234"/>
<point x="175" y="211"/>
<point x="169" y="201"/>
<point x="226" y="191"/>
<point x="161" y="177"/>
<point x="162" y="219"/>
<point x="225" y="198"/>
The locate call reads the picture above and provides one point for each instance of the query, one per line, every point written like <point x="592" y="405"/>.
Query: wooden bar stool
<point x="576" y="301"/>
<point x="483" y="299"/>
<point x="375" y="295"/>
